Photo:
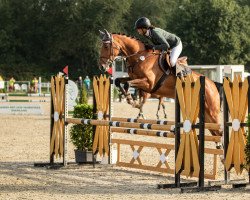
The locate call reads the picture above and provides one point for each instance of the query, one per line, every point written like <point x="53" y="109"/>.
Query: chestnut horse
<point x="146" y="71"/>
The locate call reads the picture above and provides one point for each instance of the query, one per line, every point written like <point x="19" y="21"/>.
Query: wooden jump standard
<point x="190" y="165"/>
<point x="189" y="155"/>
<point x="187" y="142"/>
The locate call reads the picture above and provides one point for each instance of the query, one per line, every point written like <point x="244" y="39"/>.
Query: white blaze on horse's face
<point x="106" y="56"/>
<point x="108" y="52"/>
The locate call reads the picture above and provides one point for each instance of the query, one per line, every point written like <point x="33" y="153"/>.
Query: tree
<point x="20" y="47"/>
<point x="90" y="17"/>
<point x="158" y="11"/>
<point x="43" y="36"/>
<point x="243" y="2"/>
<point x="213" y="31"/>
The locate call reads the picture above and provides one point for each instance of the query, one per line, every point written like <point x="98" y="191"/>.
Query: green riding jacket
<point x="162" y="39"/>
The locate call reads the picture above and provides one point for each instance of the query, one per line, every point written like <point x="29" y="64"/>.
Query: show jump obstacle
<point x="188" y="146"/>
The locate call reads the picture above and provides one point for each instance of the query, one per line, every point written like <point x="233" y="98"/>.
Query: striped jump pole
<point x="120" y="124"/>
<point x="162" y="122"/>
<point x="28" y="95"/>
<point x="24" y="100"/>
<point x="210" y="126"/>
<point x="134" y="131"/>
<point x="154" y="133"/>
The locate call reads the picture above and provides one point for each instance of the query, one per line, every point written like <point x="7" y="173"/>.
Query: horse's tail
<point x="219" y="87"/>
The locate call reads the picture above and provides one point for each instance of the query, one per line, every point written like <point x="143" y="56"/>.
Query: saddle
<point x="164" y="63"/>
<point x="181" y="68"/>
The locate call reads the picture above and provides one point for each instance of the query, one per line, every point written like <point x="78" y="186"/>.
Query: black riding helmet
<point x="142" y="22"/>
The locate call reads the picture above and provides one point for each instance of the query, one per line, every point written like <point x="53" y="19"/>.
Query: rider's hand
<point x="149" y="46"/>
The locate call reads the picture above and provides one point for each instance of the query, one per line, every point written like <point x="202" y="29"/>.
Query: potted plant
<point x="81" y="135"/>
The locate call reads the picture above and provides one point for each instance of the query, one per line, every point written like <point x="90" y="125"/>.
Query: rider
<point x="161" y="39"/>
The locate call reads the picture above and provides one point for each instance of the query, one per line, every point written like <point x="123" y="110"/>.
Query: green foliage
<point x="83" y="96"/>
<point x="213" y="31"/>
<point x="116" y="93"/>
<point x="41" y="37"/>
<point x="23" y="72"/>
<point x="81" y="135"/>
<point x="158" y="11"/>
<point x="243" y="2"/>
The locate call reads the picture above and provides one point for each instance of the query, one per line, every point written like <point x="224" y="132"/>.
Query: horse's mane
<point x="132" y="37"/>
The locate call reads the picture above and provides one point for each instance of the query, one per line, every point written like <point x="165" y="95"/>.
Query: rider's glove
<point x="149" y="46"/>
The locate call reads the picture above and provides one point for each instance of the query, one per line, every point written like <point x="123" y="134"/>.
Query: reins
<point x="111" y="42"/>
<point x="111" y="59"/>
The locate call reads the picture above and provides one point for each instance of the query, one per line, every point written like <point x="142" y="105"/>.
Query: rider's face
<point x="141" y="31"/>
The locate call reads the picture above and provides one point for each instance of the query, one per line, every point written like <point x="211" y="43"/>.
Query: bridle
<point x="111" y="58"/>
<point x="108" y="40"/>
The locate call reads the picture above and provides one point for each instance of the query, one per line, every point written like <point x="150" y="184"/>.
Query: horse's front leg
<point x="142" y="83"/>
<point x="142" y="101"/>
<point x="124" y="90"/>
<point x="123" y="80"/>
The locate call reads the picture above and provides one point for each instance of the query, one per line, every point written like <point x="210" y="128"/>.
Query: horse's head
<point x="109" y="50"/>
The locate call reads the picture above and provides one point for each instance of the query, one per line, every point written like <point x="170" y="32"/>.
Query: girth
<point x="162" y="63"/>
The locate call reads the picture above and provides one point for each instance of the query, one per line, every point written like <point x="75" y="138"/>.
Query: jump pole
<point x="65" y="141"/>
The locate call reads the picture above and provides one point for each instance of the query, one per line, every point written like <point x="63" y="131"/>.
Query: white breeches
<point x="174" y="55"/>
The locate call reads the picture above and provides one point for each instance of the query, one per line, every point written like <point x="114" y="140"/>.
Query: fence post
<point x="177" y="137"/>
<point x="40" y="85"/>
<point x="51" y="125"/>
<point x="110" y="135"/>
<point x="226" y="132"/>
<point x="202" y="131"/>
<point x="65" y="144"/>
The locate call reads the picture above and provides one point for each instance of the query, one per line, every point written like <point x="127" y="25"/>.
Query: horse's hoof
<point x="222" y="159"/>
<point x="140" y="115"/>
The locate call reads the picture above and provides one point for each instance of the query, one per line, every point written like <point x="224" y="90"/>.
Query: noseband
<point x="111" y="58"/>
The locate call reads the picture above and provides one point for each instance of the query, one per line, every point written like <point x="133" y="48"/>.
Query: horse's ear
<point x="102" y="34"/>
<point x="107" y="34"/>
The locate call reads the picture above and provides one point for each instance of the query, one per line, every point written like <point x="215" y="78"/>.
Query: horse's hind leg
<point x="161" y="103"/>
<point x="140" y="114"/>
<point x="164" y="110"/>
<point x="158" y="109"/>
